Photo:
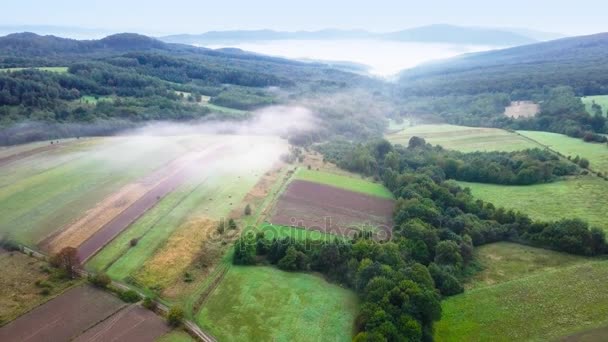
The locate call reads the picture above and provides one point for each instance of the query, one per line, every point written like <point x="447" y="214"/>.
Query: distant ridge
<point x="429" y="34"/>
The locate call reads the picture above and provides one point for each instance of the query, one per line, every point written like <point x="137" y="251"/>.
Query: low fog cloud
<point x="272" y="121"/>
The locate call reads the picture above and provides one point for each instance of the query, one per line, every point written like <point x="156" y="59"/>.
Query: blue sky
<point x="191" y="16"/>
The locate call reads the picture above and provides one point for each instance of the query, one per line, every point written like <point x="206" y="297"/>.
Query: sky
<point x="197" y="16"/>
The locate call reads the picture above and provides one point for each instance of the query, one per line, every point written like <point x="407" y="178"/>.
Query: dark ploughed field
<point x="85" y="314"/>
<point x="329" y="209"/>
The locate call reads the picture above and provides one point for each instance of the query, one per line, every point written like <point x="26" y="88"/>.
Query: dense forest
<point x="437" y="226"/>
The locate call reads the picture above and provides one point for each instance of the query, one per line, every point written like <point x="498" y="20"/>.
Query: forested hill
<point x="579" y="62"/>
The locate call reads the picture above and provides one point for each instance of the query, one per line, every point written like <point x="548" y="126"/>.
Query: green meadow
<point x="578" y="197"/>
<point x="267" y="304"/>
<point x="464" y="139"/>
<point x="601" y="100"/>
<point x="596" y="153"/>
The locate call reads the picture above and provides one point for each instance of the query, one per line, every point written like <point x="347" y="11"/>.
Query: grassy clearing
<point x="505" y="261"/>
<point x="93" y="100"/>
<point x="541" y="307"/>
<point x="579" y="197"/>
<point x="266" y="304"/>
<point x="596" y="153"/>
<point x="60" y="70"/>
<point x="464" y="139"/>
<point x="601" y="100"/>
<point x="18" y="290"/>
<point x="344" y="182"/>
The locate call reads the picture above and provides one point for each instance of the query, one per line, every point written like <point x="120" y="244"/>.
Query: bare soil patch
<point x="63" y="318"/>
<point x="133" y="324"/>
<point x="332" y="210"/>
<point x="522" y="109"/>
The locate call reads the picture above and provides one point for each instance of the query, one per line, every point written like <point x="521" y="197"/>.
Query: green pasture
<point x="596" y="153"/>
<point x="464" y="139"/>
<point x="581" y="197"/>
<point x="267" y="304"/>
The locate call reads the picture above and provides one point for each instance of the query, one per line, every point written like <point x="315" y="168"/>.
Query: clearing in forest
<point x="522" y="109"/>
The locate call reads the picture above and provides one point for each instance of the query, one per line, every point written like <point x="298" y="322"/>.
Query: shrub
<point x="133" y="242"/>
<point x="129" y="296"/>
<point x="175" y="316"/>
<point x="149" y="303"/>
<point x="188" y="277"/>
<point x="45" y="291"/>
<point x="232" y="224"/>
<point x="248" y="210"/>
<point x="100" y="280"/>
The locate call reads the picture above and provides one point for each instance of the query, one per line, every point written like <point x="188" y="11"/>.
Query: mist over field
<point x="384" y="58"/>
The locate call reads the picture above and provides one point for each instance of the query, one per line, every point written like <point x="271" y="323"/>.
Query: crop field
<point x="601" y="100"/>
<point x="64" y="317"/>
<point x="36" y="201"/>
<point x="332" y="210"/>
<point x="83" y="314"/>
<point x="579" y="197"/>
<point x="464" y="139"/>
<point x="344" y="182"/>
<point x="267" y="304"/>
<point x="522" y="109"/>
<point x="22" y="284"/>
<point x="544" y="306"/>
<point x="503" y="261"/>
<point x="596" y="153"/>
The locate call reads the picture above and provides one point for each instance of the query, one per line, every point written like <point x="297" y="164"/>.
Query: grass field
<point x="503" y="261"/>
<point x="580" y="197"/>
<point x="18" y="290"/>
<point x="596" y="153"/>
<point x="176" y="336"/>
<point x="60" y="70"/>
<point x="464" y="139"/>
<point x="601" y="100"/>
<point x="266" y="304"/>
<point x="93" y="100"/>
<point x="542" y="307"/>
<point x="344" y="182"/>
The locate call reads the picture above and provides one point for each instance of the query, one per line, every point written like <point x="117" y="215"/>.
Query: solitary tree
<point x="248" y="210"/>
<point x="175" y="316"/>
<point x="68" y="260"/>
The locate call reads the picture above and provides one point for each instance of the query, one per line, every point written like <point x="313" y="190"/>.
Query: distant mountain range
<point x="427" y="34"/>
<point x="581" y="62"/>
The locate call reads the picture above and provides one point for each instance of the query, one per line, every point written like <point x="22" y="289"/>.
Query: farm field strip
<point x="124" y="219"/>
<point x="313" y="206"/>
<point x="133" y="324"/>
<point x="581" y="197"/>
<point x="464" y="139"/>
<point x="64" y="317"/>
<point x="34" y="207"/>
<point x="596" y="153"/>
<point x="94" y="219"/>
<point x="574" y="298"/>
<point x="344" y="182"/>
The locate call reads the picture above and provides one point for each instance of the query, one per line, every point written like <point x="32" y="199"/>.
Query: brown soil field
<point x="82" y="229"/>
<point x="179" y="252"/>
<point x="18" y="290"/>
<point x="133" y="324"/>
<point x="325" y="208"/>
<point x="522" y="109"/>
<point x="63" y="318"/>
<point x="125" y="218"/>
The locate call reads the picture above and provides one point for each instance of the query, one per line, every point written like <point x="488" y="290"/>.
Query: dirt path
<point x="126" y="217"/>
